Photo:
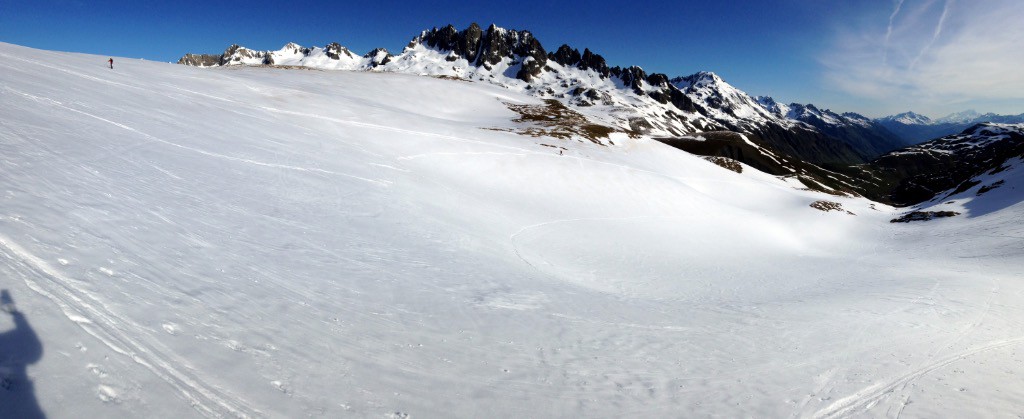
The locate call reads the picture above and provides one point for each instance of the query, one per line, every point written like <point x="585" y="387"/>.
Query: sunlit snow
<point x="261" y="242"/>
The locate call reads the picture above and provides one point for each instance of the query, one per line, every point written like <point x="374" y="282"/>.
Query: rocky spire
<point x="488" y="48"/>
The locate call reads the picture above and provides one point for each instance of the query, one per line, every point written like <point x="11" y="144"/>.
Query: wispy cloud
<point x="933" y="56"/>
<point x="888" y="31"/>
<point x="935" y="35"/>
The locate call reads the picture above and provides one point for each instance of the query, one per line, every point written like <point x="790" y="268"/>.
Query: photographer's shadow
<point x="19" y="348"/>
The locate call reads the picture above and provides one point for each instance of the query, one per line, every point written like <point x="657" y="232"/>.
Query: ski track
<point x="74" y="73"/>
<point x="110" y="329"/>
<point x="868" y="397"/>
<point x="149" y="137"/>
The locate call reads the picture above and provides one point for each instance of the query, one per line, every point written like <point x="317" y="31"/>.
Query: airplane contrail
<point x="935" y="35"/>
<point x="888" y="32"/>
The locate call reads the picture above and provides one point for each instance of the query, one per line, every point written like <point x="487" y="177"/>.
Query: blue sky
<point x="874" y="57"/>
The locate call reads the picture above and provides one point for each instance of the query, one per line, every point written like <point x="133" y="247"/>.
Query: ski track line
<point x="192" y="149"/>
<point x="96" y="320"/>
<point x="521" y="151"/>
<point x="309" y="115"/>
<point x="857" y="336"/>
<point x="354" y="123"/>
<point x="336" y="120"/>
<point x="74" y="73"/>
<point x="866" y="398"/>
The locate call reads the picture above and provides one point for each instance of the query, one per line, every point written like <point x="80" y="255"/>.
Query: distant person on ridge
<point x="111" y="61"/>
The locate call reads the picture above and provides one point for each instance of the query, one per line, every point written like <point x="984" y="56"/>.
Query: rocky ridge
<point x="627" y="98"/>
<point x="942" y="166"/>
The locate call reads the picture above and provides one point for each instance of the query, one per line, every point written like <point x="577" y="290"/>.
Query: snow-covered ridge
<point x="626" y="97"/>
<point x="907" y="118"/>
<point x="978" y="136"/>
<point x="967" y="117"/>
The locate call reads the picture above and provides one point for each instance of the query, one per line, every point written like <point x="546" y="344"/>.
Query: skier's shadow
<point x="19" y="348"/>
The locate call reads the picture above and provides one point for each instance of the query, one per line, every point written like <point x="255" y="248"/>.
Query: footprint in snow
<point x="107" y="394"/>
<point x="171" y="329"/>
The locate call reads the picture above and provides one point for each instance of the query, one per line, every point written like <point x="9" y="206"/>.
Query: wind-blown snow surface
<point x="287" y="243"/>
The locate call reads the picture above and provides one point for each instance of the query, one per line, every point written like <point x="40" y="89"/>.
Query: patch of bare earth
<point x="554" y="119"/>
<point x="726" y="163"/>
<point x="828" y="206"/>
<point x="923" y="216"/>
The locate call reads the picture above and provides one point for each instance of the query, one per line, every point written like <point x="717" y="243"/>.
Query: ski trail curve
<point x="868" y="396"/>
<point x="110" y="329"/>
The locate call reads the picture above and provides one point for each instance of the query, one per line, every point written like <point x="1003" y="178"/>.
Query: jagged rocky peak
<point x="378" y="57"/>
<point x="567" y="56"/>
<point x="698" y="80"/>
<point x="856" y="116"/>
<point x="771" y="105"/>
<point x="200" y="60"/>
<point x="295" y="48"/>
<point x="238" y="54"/>
<point x="335" y="51"/>
<point x="487" y="48"/>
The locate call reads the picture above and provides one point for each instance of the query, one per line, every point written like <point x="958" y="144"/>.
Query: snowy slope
<point x="260" y="242"/>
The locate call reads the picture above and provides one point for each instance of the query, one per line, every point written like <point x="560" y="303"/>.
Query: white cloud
<point x="933" y="56"/>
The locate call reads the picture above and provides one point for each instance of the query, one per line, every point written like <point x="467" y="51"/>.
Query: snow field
<point x="261" y="242"/>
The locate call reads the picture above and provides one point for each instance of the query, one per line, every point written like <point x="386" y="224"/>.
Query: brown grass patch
<point x="554" y="119"/>
<point x="827" y="206"/>
<point x="727" y="163"/>
<point x="446" y="77"/>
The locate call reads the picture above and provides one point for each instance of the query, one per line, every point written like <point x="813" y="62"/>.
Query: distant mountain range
<point x="626" y="98"/>
<point x="843" y="153"/>
<point x="914" y="128"/>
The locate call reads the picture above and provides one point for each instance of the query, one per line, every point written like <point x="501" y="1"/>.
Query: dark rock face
<point x="683" y="102"/>
<point x="379" y="57"/>
<point x="867" y="138"/>
<point x="571" y="57"/>
<point x="805" y="144"/>
<point x="631" y="77"/>
<point x="487" y="48"/>
<point x="762" y="156"/>
<point x="565" y="56"/>
<point x="923" y="216"/>
<point x="200" y="60"/>
<point x="334" y="50"/>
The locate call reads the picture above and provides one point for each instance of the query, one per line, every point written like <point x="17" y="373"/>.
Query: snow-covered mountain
<point x="907" y="118"/>
<point x="914" y="128"/>
<point x="628" y="98"/>
<point x="258" y="242"/>
<point x="963" y="117"/>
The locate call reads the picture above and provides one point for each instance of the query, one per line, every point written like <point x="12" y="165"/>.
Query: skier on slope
<point x="111" y="61"/>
